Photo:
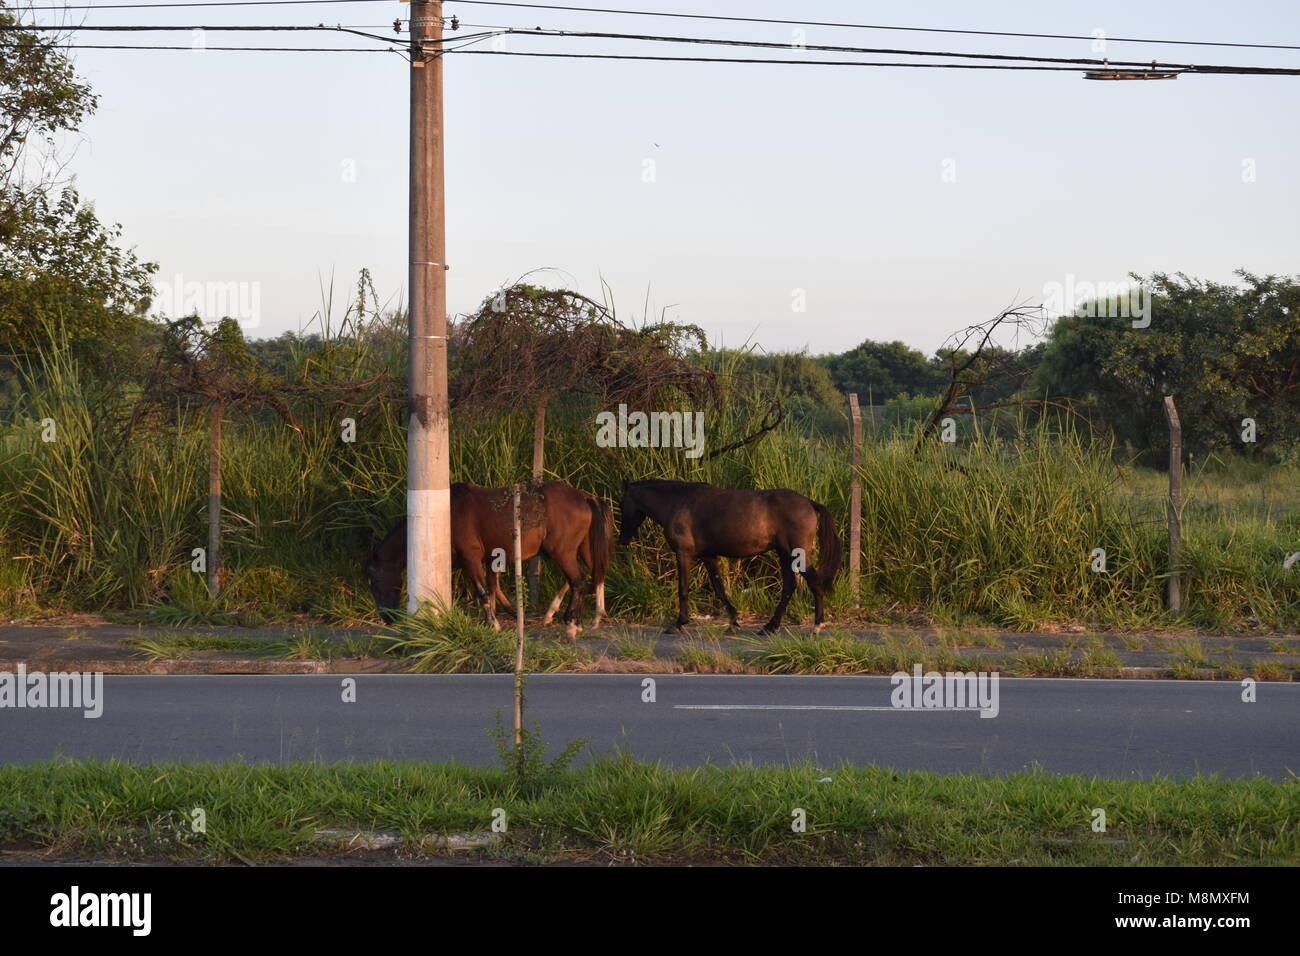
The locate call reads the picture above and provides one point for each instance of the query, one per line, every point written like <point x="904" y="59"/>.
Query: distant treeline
<point x="1229" y="354"/>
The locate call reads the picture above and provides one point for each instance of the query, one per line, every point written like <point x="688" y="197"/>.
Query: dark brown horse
<point x="561" y="522"/>
<point x="701" y="521"/>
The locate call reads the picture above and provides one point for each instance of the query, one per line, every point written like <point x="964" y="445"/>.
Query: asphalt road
<point x="1114" y="728"/>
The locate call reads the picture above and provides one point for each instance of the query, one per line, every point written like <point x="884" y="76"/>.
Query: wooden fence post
<point x="855" y="499"/>
<point x="214" y="498"/>
<point x="517" y="536"/>
<point x="1175" y="504"/>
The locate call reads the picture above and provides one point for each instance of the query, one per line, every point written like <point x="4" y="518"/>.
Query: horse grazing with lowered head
<point x="704" y="522"/>
<point x="568" y="526"/>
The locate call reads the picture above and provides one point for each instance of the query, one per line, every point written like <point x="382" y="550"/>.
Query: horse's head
<point x="385" y="581"/>
<point x="630" y="515"/>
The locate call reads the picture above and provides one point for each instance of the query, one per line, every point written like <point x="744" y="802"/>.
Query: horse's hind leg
<point x="600" y="605"/>
<point x="584" y="552"/>
<point x="784" y="559"/>
<point x="577" y="579"/>
<point x="715" y="578"/>
<point x="683" y="592"/>
<point x="818" y="589"/>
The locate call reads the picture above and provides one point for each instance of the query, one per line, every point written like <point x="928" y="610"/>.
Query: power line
<point x="687" y="16"/>
<point x="205" y="48"/>
<point x="1168" y="69"/>
<point x="269" y="28"/>
<point x="202" y="3"/>
<point x="15" y="28"/>
<point x="869" y="26"/>
<point x="462" y="41"/>
<point x="758" y="44"/>
<point x="539" y="32"/>
<point x="715" y="59"/>
<point x="1172" y="68"/>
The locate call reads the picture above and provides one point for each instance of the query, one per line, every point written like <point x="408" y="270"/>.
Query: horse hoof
<point x="819" y="628"/>
<point x="571" y="632"/>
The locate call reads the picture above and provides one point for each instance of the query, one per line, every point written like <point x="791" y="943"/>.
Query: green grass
<point x="707" y="657"/>
<point x="632" y="649"/>
<point x="179" y="646"/>
<point x="105" y="519"/>
<point x="620" y="809"/>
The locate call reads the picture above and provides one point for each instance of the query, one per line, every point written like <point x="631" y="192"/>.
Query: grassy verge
<point x="458" y="643"/>
<point x="620" y="809"/>
<point x="999" y="531"/>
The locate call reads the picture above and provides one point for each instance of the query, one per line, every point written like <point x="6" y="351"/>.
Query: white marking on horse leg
<point x="600" y="604"/>
<point x="571" y="631"/>
<point x="555" y="604"/>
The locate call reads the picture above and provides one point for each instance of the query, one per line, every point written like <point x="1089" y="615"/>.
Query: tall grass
<point x="998" y="530"/>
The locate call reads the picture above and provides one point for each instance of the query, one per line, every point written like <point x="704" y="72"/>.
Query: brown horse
<point x="561" y="522"/>
<point x="701" y="521"/>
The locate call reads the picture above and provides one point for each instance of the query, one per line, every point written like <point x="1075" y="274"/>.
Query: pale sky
<point x="903" y="204"/>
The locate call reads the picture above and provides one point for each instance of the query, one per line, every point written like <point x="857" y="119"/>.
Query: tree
<point x="1227" y="353"/>
<point x="879" y="371"/>
<point x="40" y="97"/>
<point x="64" y="266"/>
<point x="58" y="263"/>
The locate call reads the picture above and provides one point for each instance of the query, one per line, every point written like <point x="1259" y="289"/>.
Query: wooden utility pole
<point x="428" y="462"/>
<point x="1175" y="503"/>
<point x="855" y="499"/>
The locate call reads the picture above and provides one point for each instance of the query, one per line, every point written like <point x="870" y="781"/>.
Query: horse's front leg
<point x="683" y="595"/>
<point x="784" y="559"/>
<point x="555" y="604"/>
<point x="484" y="590"/>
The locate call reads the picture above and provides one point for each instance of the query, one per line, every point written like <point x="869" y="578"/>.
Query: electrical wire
<point x="685" y="16"/>
<point x="1163" y="69"/>
<point x="193" y="49"/>
<point x="14" y="28"/>
<point x="869" y="26"/>
<point x="763" y="45"/>
<point x="713" y="59"/>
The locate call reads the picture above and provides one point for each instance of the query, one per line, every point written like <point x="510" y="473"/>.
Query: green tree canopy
<point x="59" y="265"/>
<point x="63" y="265"/>
<point x="878" y="371"/>
<point x="1225" y="352"/>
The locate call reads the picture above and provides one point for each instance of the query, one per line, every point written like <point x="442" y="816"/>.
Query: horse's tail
<point x="600" y="538"/>
<point x="828" y="545"/>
